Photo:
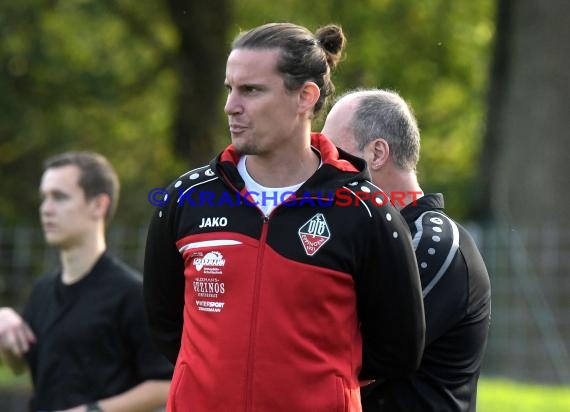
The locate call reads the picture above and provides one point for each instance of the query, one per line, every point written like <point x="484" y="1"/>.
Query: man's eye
<point x="59" y="196"/>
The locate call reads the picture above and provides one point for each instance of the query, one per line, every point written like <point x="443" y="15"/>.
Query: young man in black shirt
<point x="378" y="126"/>
<point x="83" y="332"/>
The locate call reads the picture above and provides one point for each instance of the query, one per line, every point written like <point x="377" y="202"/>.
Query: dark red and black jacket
<point x="269" y="313"/>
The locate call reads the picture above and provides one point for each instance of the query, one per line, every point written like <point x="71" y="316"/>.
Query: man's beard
<point x="250" y="149"/>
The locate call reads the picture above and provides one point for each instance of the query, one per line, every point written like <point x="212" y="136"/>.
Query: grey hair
<point x="385" y="114"/>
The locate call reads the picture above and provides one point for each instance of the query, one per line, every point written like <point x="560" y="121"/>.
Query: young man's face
<point x="263" y="116"/>
<point x="65" y="214"/>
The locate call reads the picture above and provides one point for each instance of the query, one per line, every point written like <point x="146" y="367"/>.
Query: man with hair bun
<point x="266" y="305"/>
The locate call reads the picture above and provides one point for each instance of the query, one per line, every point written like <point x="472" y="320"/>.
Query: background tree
<point x="198" y="121"/>
<point x="527" y="150"/>
<point x="435" y="53"/>
<point x="524" y="169"/>
<point x="143" y="84"/>
<point x="85" y="75"/>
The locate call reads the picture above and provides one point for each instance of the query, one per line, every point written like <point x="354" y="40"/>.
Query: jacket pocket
<point x="177" y="399"/>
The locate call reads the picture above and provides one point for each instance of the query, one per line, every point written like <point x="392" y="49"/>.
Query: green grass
<point x="501" y="395"/>
<point x="9" y="380"/>
<point x="494" y="395"/>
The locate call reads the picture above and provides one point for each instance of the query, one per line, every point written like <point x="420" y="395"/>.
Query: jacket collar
<point x="429" y="201"/>
<point x="338" y="167"/>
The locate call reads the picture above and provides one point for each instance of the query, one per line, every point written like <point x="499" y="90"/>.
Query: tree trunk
<point x="527" y="151"/>
<point x="524" y="168"/>
<point x="203" y="29"/>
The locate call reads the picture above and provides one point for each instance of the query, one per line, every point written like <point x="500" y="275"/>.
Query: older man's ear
<point x="376" y="153"/>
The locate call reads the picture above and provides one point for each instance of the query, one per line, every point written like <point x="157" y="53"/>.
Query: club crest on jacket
<point x="314" y="234"/>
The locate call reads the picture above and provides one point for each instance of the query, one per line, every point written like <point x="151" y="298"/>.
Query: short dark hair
<point x="385" y="114"/>
<point x="97" y="175"/>
<point x="304" y="56"/>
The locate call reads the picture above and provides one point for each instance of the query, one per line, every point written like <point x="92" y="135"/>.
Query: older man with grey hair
<point x="380" y="127"/>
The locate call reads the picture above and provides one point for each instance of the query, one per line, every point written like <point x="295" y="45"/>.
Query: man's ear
<point x="308" y="97"/>
<point x="377" y="153"/>
<point x="100" y="205"/>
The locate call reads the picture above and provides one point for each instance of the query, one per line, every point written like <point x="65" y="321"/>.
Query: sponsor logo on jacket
<point x="211" y="263"/>
<point x="213" y="222"/>
<point x="207" y="284"/>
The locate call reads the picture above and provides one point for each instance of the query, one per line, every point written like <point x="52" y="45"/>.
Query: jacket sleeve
<point x="390" y="300"/>
<point x="148" y="363"/>
<point x="164" y="281"/>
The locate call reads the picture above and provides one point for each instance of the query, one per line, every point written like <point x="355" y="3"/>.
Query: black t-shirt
<point x="457" y="304"/>
<point x="92" y="337"/>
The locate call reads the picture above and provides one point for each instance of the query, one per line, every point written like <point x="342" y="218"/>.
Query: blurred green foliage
<point x="100" y="75"/>
<point x="77" y="76"/>
<point x="9" y="380"/>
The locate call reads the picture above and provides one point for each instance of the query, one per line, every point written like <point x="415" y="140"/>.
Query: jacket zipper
<point x="254" y="312"/>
